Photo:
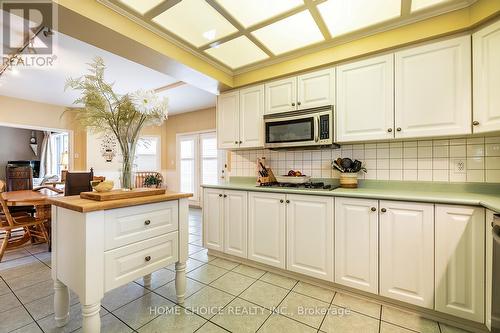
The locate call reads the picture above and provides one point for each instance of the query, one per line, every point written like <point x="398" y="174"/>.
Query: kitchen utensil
<point x="338" y="167"/>
<point x="356" y="166"/>
<point x="346" y="163"/>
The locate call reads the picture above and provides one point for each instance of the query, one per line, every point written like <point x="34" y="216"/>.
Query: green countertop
<point x="475" y="194"/>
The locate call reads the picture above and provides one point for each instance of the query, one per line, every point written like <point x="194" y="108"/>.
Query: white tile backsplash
<point x="474" y="159"/>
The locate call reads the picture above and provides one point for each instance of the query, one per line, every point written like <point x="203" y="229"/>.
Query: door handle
<point x="316" y="130"/>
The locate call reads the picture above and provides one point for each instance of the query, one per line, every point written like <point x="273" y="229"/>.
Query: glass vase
<point x="127" y="174"/>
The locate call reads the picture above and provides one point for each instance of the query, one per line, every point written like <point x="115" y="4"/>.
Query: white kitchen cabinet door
<point x="235" y="223"/>
<point x="251" y="117"/>
<point x="489" y="267"/>
<point x="310" y="235"/>
<point x="266" y="228"/>
<point x="228" y="120"/>
<point x="281" y="95"/>
<point x="356" y="243"/>
<point x="486" y="71"/>
<point x="407" y="252"/>
<point x="365" y="100"/>
<point x="460" y="257"/>
<point x="433" y="89"/>
<point x="316" y="89"/>
<point x="213" y="222"/>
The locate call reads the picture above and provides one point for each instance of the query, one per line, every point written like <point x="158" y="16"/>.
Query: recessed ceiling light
<point x="344" y="16"/>
<point x="289" y="34"/>
<point x="141" y="6"/>
<point x="195" y="21"/>
<point x="237" y="52"/>
<point x="251" y="12"/>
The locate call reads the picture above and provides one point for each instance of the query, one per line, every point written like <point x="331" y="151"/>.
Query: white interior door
<point x="198" y="162"/>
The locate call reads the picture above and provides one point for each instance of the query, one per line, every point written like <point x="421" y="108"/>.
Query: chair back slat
<point x="78" y="182"/>
<point x="19" y="178"/>
<point x="6" y="213"/>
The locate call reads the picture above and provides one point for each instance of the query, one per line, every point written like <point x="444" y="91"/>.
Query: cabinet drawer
<point x="128" y="225"/>
<point x="128" y="263"/>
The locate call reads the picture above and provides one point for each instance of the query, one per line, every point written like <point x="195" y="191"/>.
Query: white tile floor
<point x="222" y="296"/>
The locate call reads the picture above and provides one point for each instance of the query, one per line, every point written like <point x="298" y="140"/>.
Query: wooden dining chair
<point x="78" y="182"/>
<point x="34" y="228"/>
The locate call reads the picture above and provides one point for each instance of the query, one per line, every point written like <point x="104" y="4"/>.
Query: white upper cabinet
<point x="251" y="117"/>
<point x="266" y="228"/>
<point x="310" y="240"/>
<point x="486" y="68"/>
<point x="213" y="222"/>
<point x="433" y="89"/>
<point x="235" y="223"/>
<point x="228" y="118"/>
<point x="281" y="95"/>
<point x="365" y="100"/>
<point x="460" y="257"/>
<point x="356" y="243"/>
<point x="407" y="252"/>
<point x="316" y="89"/>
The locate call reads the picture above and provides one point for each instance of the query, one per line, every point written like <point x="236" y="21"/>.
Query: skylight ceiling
<point x="343" y="17"/>
<point x="249" y="13"/>
<point x="241" y="34"/>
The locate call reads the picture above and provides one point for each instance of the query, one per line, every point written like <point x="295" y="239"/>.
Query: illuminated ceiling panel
<point x="249" y="13"/>
<point x="196" y="22"/>
<point x="422" y="4"/>
<point x="237" y="52"/>
<point x="141" y="6"/>
<point x="289" y="34"/>
<point x="344" y="16"/>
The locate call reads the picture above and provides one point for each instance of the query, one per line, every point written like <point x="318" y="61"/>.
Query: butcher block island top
<point x="80" y="205"/>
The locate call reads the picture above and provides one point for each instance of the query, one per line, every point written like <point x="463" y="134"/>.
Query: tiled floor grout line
<point x="26" y="309"/>
<point x="331" y="302"/>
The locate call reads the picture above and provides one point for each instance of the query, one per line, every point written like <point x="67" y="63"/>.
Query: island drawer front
<point x="128" y="225"/>
<point x="128" y="263"/>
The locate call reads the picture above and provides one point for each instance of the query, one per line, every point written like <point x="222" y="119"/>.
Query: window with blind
<point x="198" y="160"/>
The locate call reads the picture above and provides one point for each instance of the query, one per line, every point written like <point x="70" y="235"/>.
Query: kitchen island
<point x="98" y="246"/>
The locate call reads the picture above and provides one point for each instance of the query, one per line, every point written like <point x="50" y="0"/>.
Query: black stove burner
<point x="310" y="185"/>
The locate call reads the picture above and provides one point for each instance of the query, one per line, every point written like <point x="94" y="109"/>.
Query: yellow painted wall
<point x="28" y="113"/>
<point x="183" y="123"/>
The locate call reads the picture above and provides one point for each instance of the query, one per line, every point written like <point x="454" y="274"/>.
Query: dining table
<point x="38" y="198"/>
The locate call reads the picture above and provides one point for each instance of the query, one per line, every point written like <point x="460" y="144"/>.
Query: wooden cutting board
<point x="122" y="194"/>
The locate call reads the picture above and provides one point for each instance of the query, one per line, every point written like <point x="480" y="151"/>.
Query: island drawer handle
<point x="148" y="258"/>
<point x="147" y="222"/>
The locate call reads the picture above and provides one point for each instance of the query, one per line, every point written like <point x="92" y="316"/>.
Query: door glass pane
<point x="187" y="176"/>
<point x="209" y="163"/>
<point x="187" y="149"/>
<point x="290" y="131"/>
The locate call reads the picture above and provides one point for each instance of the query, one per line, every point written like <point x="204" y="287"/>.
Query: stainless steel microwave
<point x="312" y="127"/>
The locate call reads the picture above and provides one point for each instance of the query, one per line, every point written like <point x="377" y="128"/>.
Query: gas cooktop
<point x="305" y="186"/>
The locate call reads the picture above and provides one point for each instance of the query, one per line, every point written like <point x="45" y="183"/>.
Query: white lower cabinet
<point x="310" y="235"/>
<point x="235" y="223"/>
<point x="407" y="252"/>
<point x="266" y="228"/>
<point x="356" y="243"/>
<point x="460" y="256"/>
<point x="225" y="221"/>
<point x="213" y="219"/>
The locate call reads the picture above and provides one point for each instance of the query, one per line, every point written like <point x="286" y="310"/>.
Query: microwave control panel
<point x="324" y="127"/>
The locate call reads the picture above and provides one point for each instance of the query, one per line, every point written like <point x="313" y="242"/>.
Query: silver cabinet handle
<point x="148" y="258"/>
<point x="288" y="201"/>
<point x="383" y="210"/>
<point x="475" y="123"/>
<point x="389" y="130"/>
<point x="147" y="222"/>
<point x="298" y="103"/>
<point x="220" y="195"/>
<point x="281" y="201"/>
<point x="293" y="104"/>
<point x="374" y="209"/>
<point x="398" y="129"/>
<point x="225" y="195"/>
